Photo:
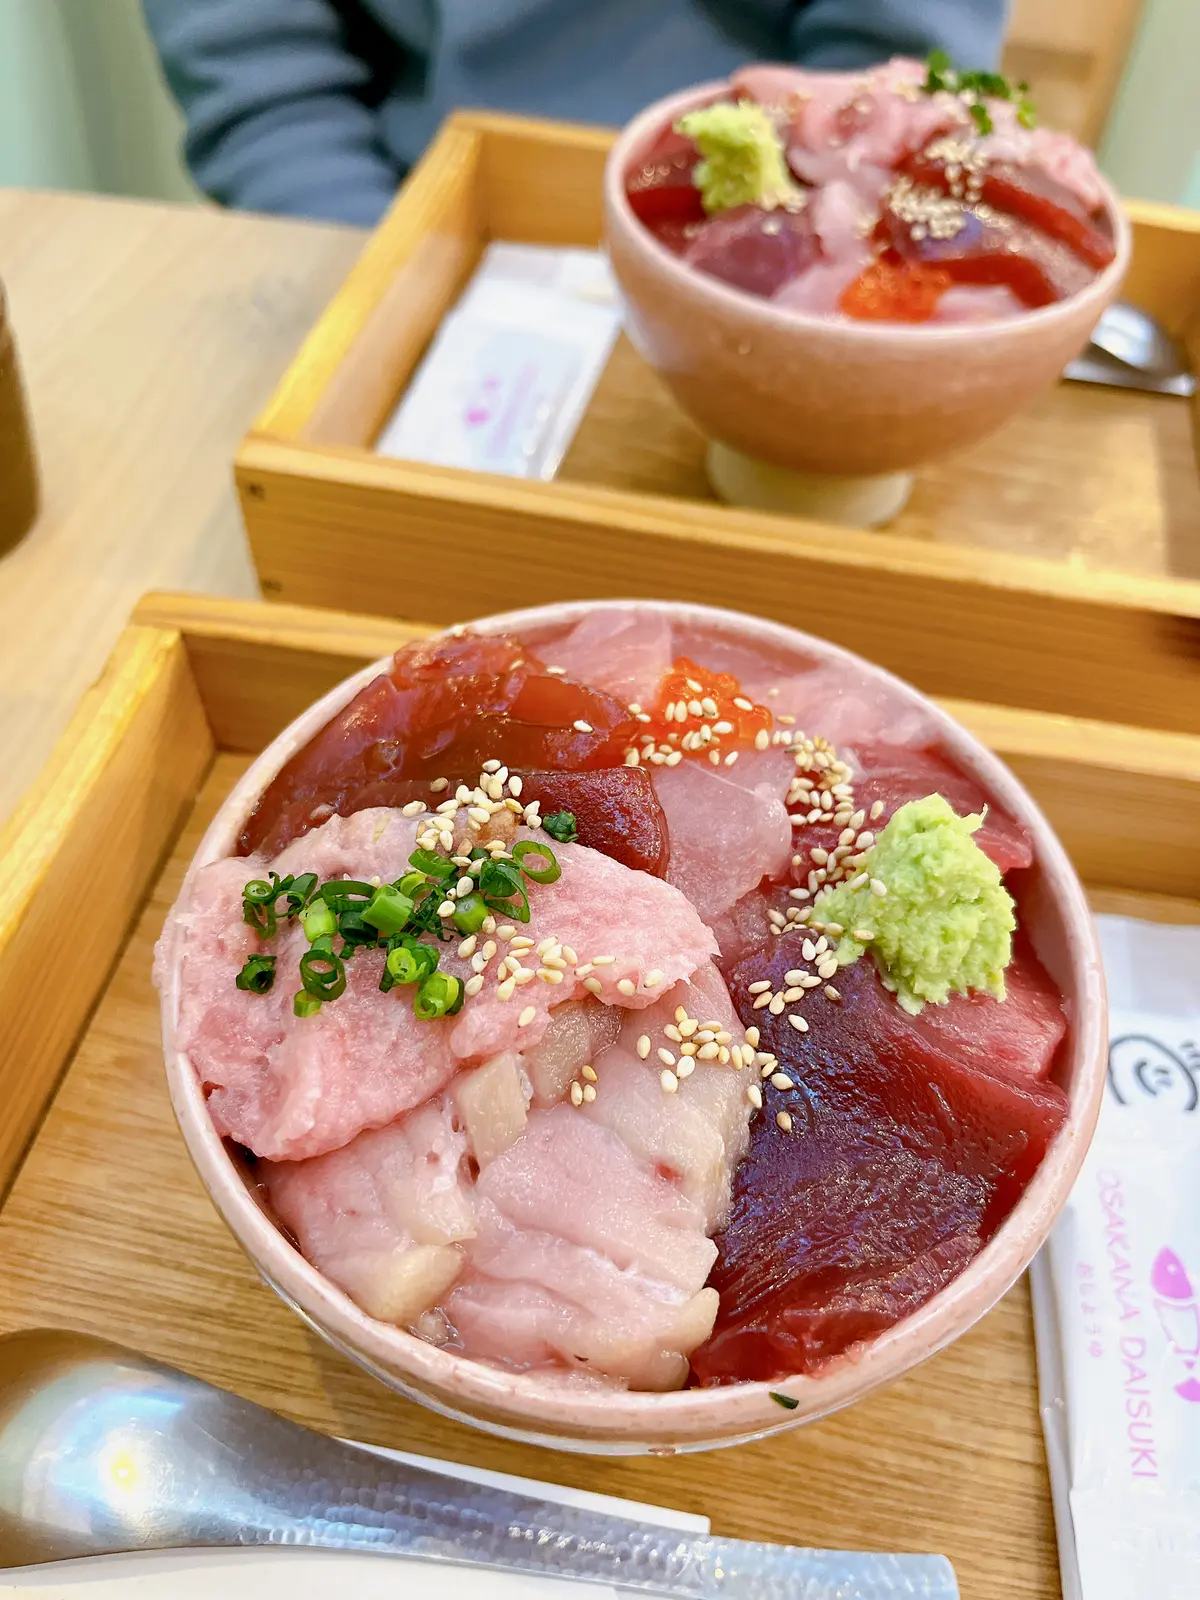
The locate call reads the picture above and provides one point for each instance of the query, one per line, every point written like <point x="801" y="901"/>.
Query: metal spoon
<point x="105" y="1451"/>
<point x="1133" y="351"/>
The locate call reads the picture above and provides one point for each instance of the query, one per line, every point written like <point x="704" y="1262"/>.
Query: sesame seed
<point x="515" y="785"/>
<point x="714" y="757"/>
<point x="473" y="985"/>
<point x="863" y="935"/>
<point x="589" y="1092"/>
<point x="520" y="941"/>
<point x="550" y="974"/>
<point x="665" y="1056"/>
<point x="576" y="1094"/>
<point x="878" y="888"/>
<point x="603" y="961"/>
<point x="776" y="1005"/>
<point x="526" y="1016"/>
<point x="752" y="1037"/>
<point x="723" y="1055"/>
<point x="668" y="1080"/>
<point x="446" y="909"/>
<point x="589" y="1072"/>
<point x="467" y="947"/>
<point x="687" y="1048"/>
<point x="653" y="979"/>
<point x="688" y="1027"/>
<point x="557" y="672"/>
<point x="479" y="815"/>
<point x="783" y="1121"/>
<point x="743" y="704"/>
<point x="708" y="1052"/>
<point x="828" y="969"/>
<point x="793" y="994"/>
<point x="831" y="993"/>
<point x="695" y="709"/>
<point x="632" y="759"/>
<point x="754" y="1095"/>
<point x="780" y="1080"/>
<point x="762" y="1000"/>
<point x="797" y="1022"/>
<point x="685" y="1068"/>
<point x="569" y="956"/>
<point x="627" y="986"/>
<point x="876" y="810"/>
<point x="672" y="1032"/>
<point x="505" y="990"/>
<point x="761" y="986"/>
<point x="731" y="758"/>
<point x="524" y="975"/>
<point x="412" y="808"/>
<point x="762" y="739"/>
<point x="464" y="886"/>
<point x="674" y="758"/>
<point x="582" y="970"/>
<point x="643" y="1046"/>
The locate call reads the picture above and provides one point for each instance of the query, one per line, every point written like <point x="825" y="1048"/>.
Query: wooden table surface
<point x="150" y="336"/>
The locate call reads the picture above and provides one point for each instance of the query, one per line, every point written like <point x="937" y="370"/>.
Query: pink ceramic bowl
<point x="602" y="1421"/>
<point x="817" y="394"/>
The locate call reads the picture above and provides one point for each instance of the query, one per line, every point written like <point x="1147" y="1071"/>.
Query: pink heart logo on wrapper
<point x="1178" y="1315"/>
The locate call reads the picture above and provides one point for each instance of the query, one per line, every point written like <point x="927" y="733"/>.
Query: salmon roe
<point x="891" y="291"/>
<point x="691" y="698"/>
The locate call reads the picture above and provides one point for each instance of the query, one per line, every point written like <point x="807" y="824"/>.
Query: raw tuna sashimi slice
<point x="533" y="1299"/>
<point x="890" y="775"/>
<point x="381" y="1217"/>
<point x="660" y="190"/>
<point x="901" y="1163"/>
<point x="729" y="826"/>
<point x="577" y="1181"/>
<point x="1016" y="1040"/>
<point x="616" y="811"/>
<point x="755" y="250"/>
<point x="446" y="706"/>
<point x="284" y="1087"/>
<point x="576" y="1034"/>
<point x="696" y="1136"/>
<point x="644" y="930"/>
<point x="622" y="650"/>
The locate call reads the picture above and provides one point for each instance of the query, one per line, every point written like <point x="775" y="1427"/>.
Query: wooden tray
<point x="105" y="1226"/>
<point x="1056" y="566"/>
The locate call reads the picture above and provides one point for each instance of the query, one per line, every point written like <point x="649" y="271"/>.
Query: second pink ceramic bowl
<point x="540" y="1409"/>
<point x="823" y="395"/>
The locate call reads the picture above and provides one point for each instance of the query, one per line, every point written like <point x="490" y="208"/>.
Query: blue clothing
<point x="319" y="107"/>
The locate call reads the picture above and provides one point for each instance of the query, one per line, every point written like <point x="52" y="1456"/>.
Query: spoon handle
<point x="396" y="1509"/>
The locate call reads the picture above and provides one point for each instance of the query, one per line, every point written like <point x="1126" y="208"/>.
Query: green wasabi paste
<point x="744" y="159"/>
<point x="943" y="922"/>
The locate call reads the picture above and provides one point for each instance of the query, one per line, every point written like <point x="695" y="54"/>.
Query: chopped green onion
<point x="550" y="873"/>
<point x="305" y="1004"/>
<point x="258" y="906"/>
<point x="440" y="995"/>
<point x="300" y="892"/>
<point x="343" y="893"/>
<point x="258" y="974"/>
<point x="323" y="974"/>
<point x="355" y="931"/>
<point x="470" y="913"/>
<point x="410" y="962"/>
<point x="412" y="883"/>
<point x="787" y="1401"/>
<point x="500" y="885"/>
<point x="981" y="116"/>
<point x="388" y="910"/>
<point x="318" y="920"/>
<point x="560" y="825"/>
<point x="435" y="865"/>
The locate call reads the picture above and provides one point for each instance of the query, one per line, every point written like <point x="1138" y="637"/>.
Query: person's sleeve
<point x="272" y="98"/>
<point x="834" y="34"/>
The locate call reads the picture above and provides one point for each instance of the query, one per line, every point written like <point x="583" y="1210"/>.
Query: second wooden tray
<point x="1054" y="567"/>
<point x="106" y="1228"/>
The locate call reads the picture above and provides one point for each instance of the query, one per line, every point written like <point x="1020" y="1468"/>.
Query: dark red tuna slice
<point x="616" y="811"/>
<point x="1025" y="192"/>
<point x="901" y="1164"/>
<point x="755" y="250"/>
<point x="978" y="246"/>
<point x="445" y="707"/>
<point x="660" y="189"/>
<point x="893" y="775"/>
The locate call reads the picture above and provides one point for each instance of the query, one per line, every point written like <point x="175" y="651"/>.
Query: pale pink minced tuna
<point x="287" y="1091"/>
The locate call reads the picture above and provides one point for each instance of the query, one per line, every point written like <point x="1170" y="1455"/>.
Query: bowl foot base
<point x="864" y="502"/>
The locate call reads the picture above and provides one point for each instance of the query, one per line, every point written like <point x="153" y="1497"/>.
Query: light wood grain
<point x="974" y="624"/>
<point x="78" y="857"/>
<point x="1072" y="53"/>
<point x="949" y="1459"/>
<point x="150" y="335"/>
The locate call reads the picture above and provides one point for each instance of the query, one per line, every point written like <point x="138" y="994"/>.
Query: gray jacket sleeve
<point x="858" y="33"/>
<point x="270" y="92"/>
